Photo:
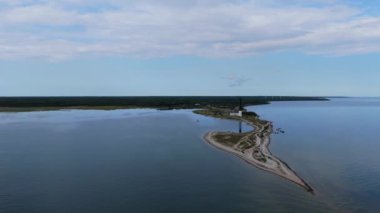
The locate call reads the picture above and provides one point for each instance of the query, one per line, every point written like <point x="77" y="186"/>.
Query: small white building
<point x="237" y="112"/>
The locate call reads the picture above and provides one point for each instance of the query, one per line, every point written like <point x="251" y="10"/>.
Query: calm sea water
<point x="156" y="161"/>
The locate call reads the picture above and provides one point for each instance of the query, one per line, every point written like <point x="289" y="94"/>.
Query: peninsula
<point x="251" y="146"/>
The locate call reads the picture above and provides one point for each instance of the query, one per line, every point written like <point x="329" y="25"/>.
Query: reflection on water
<point x="334" y="145"/>
<point x="149" y="161"/>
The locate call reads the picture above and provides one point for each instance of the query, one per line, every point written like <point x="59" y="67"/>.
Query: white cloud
<point x="60" y="29"/>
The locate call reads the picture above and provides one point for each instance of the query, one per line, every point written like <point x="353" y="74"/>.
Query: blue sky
<point x="209" y="47"/>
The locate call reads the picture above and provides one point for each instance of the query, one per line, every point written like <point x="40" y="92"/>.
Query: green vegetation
<point x="229" y="138"/>
<point x="173" y="102"/>
<point x="253" y="114"/>
<point x="214" y="112"/>
<point x="224" y="113"/>
<point x="34" y="109"/>
<point x="262" y="159"/>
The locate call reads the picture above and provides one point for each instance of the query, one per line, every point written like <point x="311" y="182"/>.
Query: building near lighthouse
<point x="238" y="111"/>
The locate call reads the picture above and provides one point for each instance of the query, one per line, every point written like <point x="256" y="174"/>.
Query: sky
<point x="192" y="47"/>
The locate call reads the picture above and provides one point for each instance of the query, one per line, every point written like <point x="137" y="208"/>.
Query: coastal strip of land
<point x="253" y="146"/>
<point x="24" y="104"/>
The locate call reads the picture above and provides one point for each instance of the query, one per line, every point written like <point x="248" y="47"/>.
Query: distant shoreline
<point x="25" y="104"/>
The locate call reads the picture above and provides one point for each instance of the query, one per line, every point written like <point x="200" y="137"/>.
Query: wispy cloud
<point x="236" y="81"/>
<point x="228" y="28"/>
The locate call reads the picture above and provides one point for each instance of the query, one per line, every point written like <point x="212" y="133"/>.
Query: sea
<point x="147" y="160"/>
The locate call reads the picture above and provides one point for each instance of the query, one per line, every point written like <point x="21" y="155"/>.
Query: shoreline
<point x="130" y="102"/>
<point x="259" y="154"/>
